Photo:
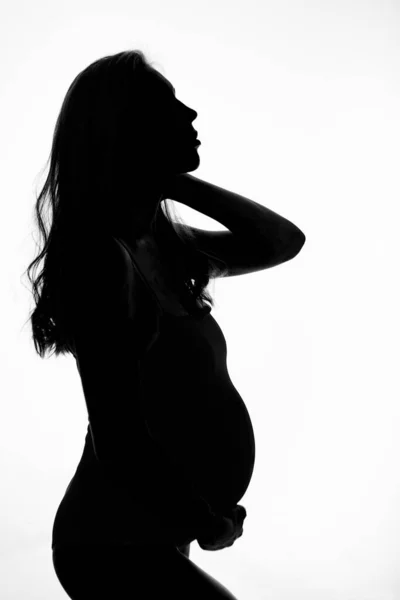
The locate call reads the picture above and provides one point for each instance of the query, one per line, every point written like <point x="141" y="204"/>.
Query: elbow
<point x="302" y="240"/>
<point x="297" y="242"/>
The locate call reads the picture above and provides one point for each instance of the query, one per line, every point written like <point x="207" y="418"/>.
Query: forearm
<point x="240" y="215"/>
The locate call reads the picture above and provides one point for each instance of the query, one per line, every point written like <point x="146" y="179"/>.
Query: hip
<point x="89" y="516"/>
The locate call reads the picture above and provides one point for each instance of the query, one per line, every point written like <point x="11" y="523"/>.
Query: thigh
<point x="134" y="573"/>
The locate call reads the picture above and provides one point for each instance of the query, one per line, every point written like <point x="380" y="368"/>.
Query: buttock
<point x="134" y="572"/>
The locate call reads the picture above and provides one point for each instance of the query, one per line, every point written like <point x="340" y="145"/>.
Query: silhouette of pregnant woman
<point x="169" y="449"/>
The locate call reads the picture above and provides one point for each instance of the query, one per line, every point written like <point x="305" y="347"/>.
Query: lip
<point x="197" y="142"/>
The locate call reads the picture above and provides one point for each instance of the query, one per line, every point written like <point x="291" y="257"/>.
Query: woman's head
<point x="121" y="132"/>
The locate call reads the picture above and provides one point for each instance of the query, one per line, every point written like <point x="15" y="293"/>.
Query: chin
<point x="189" y="163"/>
<point x="186" y="163"/>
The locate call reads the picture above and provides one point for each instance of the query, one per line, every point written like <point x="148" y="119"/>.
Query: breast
<point x="146" y="261"/>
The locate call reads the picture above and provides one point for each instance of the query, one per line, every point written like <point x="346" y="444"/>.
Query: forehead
<point x="158" y="80"/>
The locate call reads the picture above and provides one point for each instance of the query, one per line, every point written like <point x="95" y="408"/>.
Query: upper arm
<point x="230" y="255"/>
<point x="111" y="335"/>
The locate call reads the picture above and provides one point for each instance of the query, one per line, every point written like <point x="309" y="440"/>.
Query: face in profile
<point x="170" y="134"/>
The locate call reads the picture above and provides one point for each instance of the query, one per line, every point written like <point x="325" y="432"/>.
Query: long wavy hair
<point x="92" y="159"/>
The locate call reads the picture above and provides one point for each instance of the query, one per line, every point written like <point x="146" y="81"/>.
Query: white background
<point x="298" y="109"/>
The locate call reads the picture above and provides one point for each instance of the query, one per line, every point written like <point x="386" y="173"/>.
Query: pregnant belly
<point x="209" y="432"/>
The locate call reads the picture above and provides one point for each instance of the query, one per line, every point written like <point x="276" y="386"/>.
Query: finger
<point x="243" y="512"/>
<point x="238" y="513"/>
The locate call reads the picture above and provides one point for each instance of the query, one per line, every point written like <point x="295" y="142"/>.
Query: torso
<point x="220" y="461"/>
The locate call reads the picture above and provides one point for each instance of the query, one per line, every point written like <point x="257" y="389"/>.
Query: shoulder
<point x="110" y="308"/>
<point x="106" y="285"/>
<point x="95" y="278"/>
